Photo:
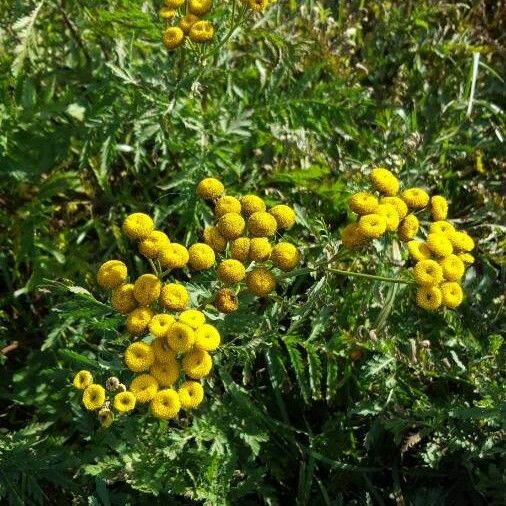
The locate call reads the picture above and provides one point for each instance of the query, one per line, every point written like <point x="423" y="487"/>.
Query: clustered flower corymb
<point x="440" y="259"/>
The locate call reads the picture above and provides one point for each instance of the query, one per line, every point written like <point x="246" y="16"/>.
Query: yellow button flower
<point x="138" y="320"/>
<point x="262" y="224"/>
<point x="390" y="214"/>
<point x="174" y="296"/>
<point x="231" y="225"/>
<point x="173" y="37"/>
<point x="428" y="272"/>
<point x="438" y="208"/>
<point x="139" y="356"/>
<point x="153" y="244"/>
<point x="372" y="226"/>
<point x="239" y="249"/>
<point x="160" y="324"/>
<point x="231" y="271"/>
<point x="252" y="204"/>
<point x="227" y="205"/>
<point x="200" y="7"/>
<point x="180" y="337"/>
<point x="174" y="256"/>
<point x="415" y="198"/>
<point x="212" y="237"/>
<point x="260" y="282"/>
<point x="124" y="402"/>
<point x="167" y="13"/>
<point x="202" y="256"/>
<point x="197" y="364"/>
<point x="285" y="256"/>
<point x="384" y="181"/>
<point x="260" y="249"/>
<point x="202" y="31"/>
<point x="257" y="5"/>
<point x="418" y="250"/>
<point x="439" y="244"/>
<point x="174" y="4"/>
<point x="193" y="318"/>
<point x="467" y="258"/>
<point x="226" y="301"/>
<point x="453" y="268"/>
<point x="164" y="354"/>
<point x="123" y="299"/>
<point x="165" y="404"/>
<point x="166" y="374"/>
<point x="408" y="228"/>
<point x="352" y="238"/>
<point x="207" y="338"/>
<point x="106" y="417"/>
<point x="138" y="226"/>
<point x="284" y="216"/>
<point x="94" y="397"/>
<point x="441" y="227"/>
<point x="398" y="203"/>
<point x="452" y="294"/>
<point x="191" y="394"/>
<point x="429" y="297"/>
<point x="144" y="387"/>
<point x="363" y="203"/>
<point x="112" y="274"/>
<point x="461" y="241"/>
<point x="210" y="188"/>
<point x="186" y="22"/>
<point x="82" y="380"/>
<point x="147" y="289"/>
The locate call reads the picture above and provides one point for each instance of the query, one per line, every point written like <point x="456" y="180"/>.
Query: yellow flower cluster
<point x="440" y="259"/>
<point x="244" y="239"/>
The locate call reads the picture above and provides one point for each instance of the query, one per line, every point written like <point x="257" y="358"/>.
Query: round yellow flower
<point x="112" y="274"/>
<point x="200" y="7"/>
<point x="441" y="227"/>
<point x="252" y="204"/>
<point x="181" y="337"/>
<point x="202" y="31"/>
<point x="160" y="324"/>
<point x="415" y="198"/>
<point x="213" y="238"/>
<point x="262" y="224"/>
<point x="231" y="271"/>
<point x="398" y="203"/>
<point x="352" y="238"/>
<point x="285" y="256"/>
<point x="207" y="338"/>
<point x="439" y="244"/>
<point x="226" y="301"/>
<point x="363" y="203"/>
<point x="123" y="299"/>
<point x="124" y="402"/>
<point x="418" y="250"/>
<point x="284" y="216"/>
<point x="167" y="13"/>
<point x="105" y="417"/>
<point x="193" y="318"/>
<point x="174" y="4"/>
<point x="372" y="226"/>
<point x="163" y="352"/>
<point x="191" y="394"/>
<point x="173" y="37"/>
<point x="384" y="181"/>
<point x="429" y="297"/>
<point x="82" y="380"/>
<point x="138" y="320"/>
<point x="174" y="256"/>
<point x="257" y="5"/>
<point x="174" y="297"/>
<point x="408" y="228"/>
<point x="154" y="244"/>
<point x="165" y="404"/>
<point x="231" y="225"/>
<point x="260" y="249"/>
<point x="197" y="364"/>
<point x="139" y="356"/>
<point x="138" y="226"/>
<point x="438" y="208"/>
<point x="93" y="397"/>
<point x="202" y="256"/>
<point x="186" y="22"/>
<point x="452" y="294"/>
<point x="227" y="205"/>
<point x="428" y="272"/>
<point x="166" y="374"/>
<point x="260" y="282"/>
<point x="390" y="214"/>
<point x="467" y="258"/>
<point x="210" y="188"/>
<point x="147" y="289"/>
<point x="461" y="241"/>
<point x="239" y="249"/>
<point x="453" y="268"/>
<point x="144" y="387"/>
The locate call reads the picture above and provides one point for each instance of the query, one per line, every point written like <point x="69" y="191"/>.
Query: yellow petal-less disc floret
<point x="193" y="318"/>
<point x="202" y="256"/>
<point x="252" y="204"/>
<point x="197" y="364"/>
<point x="284" y="216"/>
<point x="144" y="387"/>
<point x="174" y="4"/>
<point x="257" y="5"/>
<point x="398" y="203"/>
<point x="212" y="237"/>
<point x="160" y="324"/>
<point x="418" y="250"/>
<point x="372" y="226"/>
<point x="428" y="272"/>
<point x="191" y="394"/>
<point x="165" y="404"/>
<point x="200" y="7"/>
<point x="467" y="258"/>
<point x="82" y="380"/>
<point x="461" y="241"/>
<point x="363" y="203"/>
<point x="186" y="22"/>
<point x="202" y="31"/>
<point x="390" y="214"/>
<point x="285" y="256"/>
<point x="227" y="204"/>
<point x="226" y="301"/>
<point x="112" y="274"/>
<point x="231" y="271"/>
<point x="180" y="337"/>
<point x="441" y="227"/>
<point x="384" y="181"/>
<point x="438" y="208"/>
<point x="123" y="299"/>
<point x="408" y="228"/>
<point x="174" y="256"/>
<point x="124" y="402"/>
<point x="231" y="225"/>
<point x="260" y="282"/>
<point x="453" y="268"/>
<point x="163" y="352"/>
<point x="154" y="244"/>
<point x="352" y="238"/>
<point x="173" y="37"/>
<point x="210" y="188"/>
<point x="106" y="417"/>
<point x="439" y="244"/>
<point x="166" y="373"/>
<point x="138" y="226"/>
<point x="452" y="294"/>
<point x="138" y="320"/>
<point x="259" y="249"/>
<point x="174" y="296"/>
<point x="167" y="13"/>
<point x="147" y="289"/>
<point x="207" y="338"/>
<point x="415" y="198"/>
<point x="139" y="356"/>
<point x="94" y="397"/>
<point x="239" y="249"/>
<point x="429" y="297"/>
<point x="262" y="224"/>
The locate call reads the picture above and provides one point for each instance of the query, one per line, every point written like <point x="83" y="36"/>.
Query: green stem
<point x="153" y="266"/>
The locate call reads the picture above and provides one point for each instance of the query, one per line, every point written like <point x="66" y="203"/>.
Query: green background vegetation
<point x="342" y="391"/>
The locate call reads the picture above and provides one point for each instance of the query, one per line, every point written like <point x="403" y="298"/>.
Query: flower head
<point x="210" y="188"/>
<point x="352" y="238"/>
<point x="186" y="22"/>
<point x="202" y="256"/>
<point x="438" y="208"/>
<point x="285" y="256"/>
<point x="415" y="198"/>
<point x="262" y="224"/>
<point x="154" y="243"/>
<point x="231" y="271"/>
<point x="363" y="203"/>
<point x="174" y="296"/>
<point x="167" y="13"/>
<point x="160" y="324"/>
<point x="138" y="226"/>
<point x="372" y="225"/>
<point x="207" y="338"/>
<point x="439" y="244"/>
<point x="428" y="272"/>
<point x="200" y="7"/>
<point x="202" y="31"/>
<point x="144" y="387"/>
<point x="257" y="5"/>
<point x="82" y="380"/>
<point x="174" y="4"/>
<point x="418" y="250"/>
<point x="284" y="216"/>
<point x="147" y="289"/>
<point x="252" y="204"/>
<point x="390" y="214"/>
<point x="174" y="256"/>
<point x="181" y="337"/>
<point x="197" y="364"/>
<point x="441" y="227"/>
<point x="231" y="225"/>
<point x="212" y="237"/>
<point x="165" y="404"/>
<point x="429" y="297"/>
<point x="467" y="258"/>
<point x="173" y="37"/>
<point x="461" y="241"/>
<point x="259" y="249"/>
<point x="93" y="397"/>
<point x="226" y="301"/>
<point x="408" y="228"/>
<point x="384" y="181"/>
<point x="193" y="318"/>
<point x="123" y="299"/>
<point x="260" y="282"/>
<point x="226" y="205"/>
<point x="452" y="294"/>
<point x="191" y="394"/>
<point x="139" y="356"/>
<point x="398" y="203"/>
<point x="112" y="274"/>
<point x="124" y="402"/>
<point x="138" y="320"/>
<point x="106" y="417"/>
<point x="453" y="268"/>
<point x="239" y="249"/>
<point x="164" y="354"/>
<point x="166" y="374"/>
